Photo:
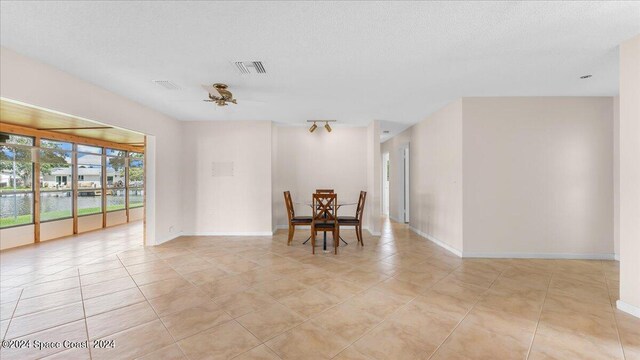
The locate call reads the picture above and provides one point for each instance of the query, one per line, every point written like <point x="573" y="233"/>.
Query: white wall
<point x="373" y="212"/>
<point x="309" y="161"/>
<point x="33" y="82"/>
<point x="233" y="205"/>
<point x="538" y="176"/>
<point x="629" y="152"/>
<point x="512" y="176"/>
<point x="436" y="176"/>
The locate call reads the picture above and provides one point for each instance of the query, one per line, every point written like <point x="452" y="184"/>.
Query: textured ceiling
<point x="351" y="61"/>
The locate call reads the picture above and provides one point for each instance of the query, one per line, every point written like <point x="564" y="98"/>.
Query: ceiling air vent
<point x="167" y="84"/>
<point x="250" y="67"/>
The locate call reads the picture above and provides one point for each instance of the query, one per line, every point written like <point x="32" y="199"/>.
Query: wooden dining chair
<point x="325" y="219"/>
<point x="293" y="219"/>
<point x="355" y="220"/>
<point x="324" y="191"/>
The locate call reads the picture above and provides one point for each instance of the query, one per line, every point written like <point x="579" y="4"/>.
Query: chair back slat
<point x="324" y="191"/>
<point x="325" y="207"/>
<point x="289" y="204"/>
<point x="360" y="208"/>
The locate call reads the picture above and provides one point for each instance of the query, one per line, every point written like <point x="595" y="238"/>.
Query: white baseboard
<point x="437" y="242"/>
<point x="307" y="227"/>
<point x="394" y="219"/>
<point x="567" y="256"/>
<point x="230" y="233"/>
<point x="616" y="257"/>
<point x="628" y="308"/>
<point x="160" y="241"/>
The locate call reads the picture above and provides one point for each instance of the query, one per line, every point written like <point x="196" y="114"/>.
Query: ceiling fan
<point x="225" y="95"/>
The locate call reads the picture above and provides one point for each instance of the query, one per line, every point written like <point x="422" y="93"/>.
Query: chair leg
<point x="313" y="242"/>
<point x="336" y="240"/>
<point x="292" y="229"/>
<point x="360" y="235"/>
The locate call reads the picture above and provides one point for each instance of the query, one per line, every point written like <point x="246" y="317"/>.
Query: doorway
<point x="385" y="184"/>
<point x="405" y="184"/>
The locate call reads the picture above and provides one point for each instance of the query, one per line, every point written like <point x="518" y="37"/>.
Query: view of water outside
<point x="21" y="205"/>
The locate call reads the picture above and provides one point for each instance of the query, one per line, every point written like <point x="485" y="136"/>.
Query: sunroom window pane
<point x="15" y="176"/>
<point x="115" y="199"/>
<point x="136" y="198"/>
<point x="115" y="172"/>
<point x="56" y="205"/>
<point x="89" y="149"/>
<point x="89" y="202"/>
<point x="16" y="209"/>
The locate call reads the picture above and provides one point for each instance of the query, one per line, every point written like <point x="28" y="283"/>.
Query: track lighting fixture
<point x="326" y="125"/>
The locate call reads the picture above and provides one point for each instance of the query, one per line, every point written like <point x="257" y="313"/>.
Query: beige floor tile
<point x="281" y="288"/>
<point x="402" y="290"/>
<point x="404" y="316"/>
<point x="476" y="343"/>
<point x="164" y="287"/>
<point x="594" y="327"/>
<point x="102" y="276"/>
<point x="43" y="320"/>
<point x="270" y="321"/>
<point x="376" y="302"/>
<point x="307" y="341"/>
<point x="629" y="328"/>
<point x="171" y="352"/>
<point x="50" y="287"/>
<point x="195" y="319"/>
<point x="7" y="309"/>
<point x="351" y="353"/>
<point x="153" y="276"/>
<point x="261" y="352"/>
<point x="224" y="286"/>
<point x="70" y="354"/>
<point x="107" y="287"/>
<point x="221" y="342"/>
<point x="339" y="290"/>
<point x="346" y="320"/>
<point x="501" y="323"/>
<point x="114" y="321"/>
<point x="4" y="325"/>
<point x="135" y="342"/>
<point x="580" y="290"/>
<point x="562" y="346"/>
<point x="157" y="265"/>
<point x="178" y="300"/>
<point x="390" y="340"/>
<point x="459" y="290"/>
<point x="308" y="302"/>
<point x="73" y="332"/>
<point x="207" y="275"/>
<point x="104" y="303"/>
<point x="244" y="302"/>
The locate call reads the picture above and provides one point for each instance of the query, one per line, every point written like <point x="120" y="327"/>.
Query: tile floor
<point x="399" y="297"/>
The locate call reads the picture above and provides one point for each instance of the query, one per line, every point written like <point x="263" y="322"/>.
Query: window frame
<point x="32" y="190"/>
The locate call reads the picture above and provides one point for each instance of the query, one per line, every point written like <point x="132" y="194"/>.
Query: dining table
<point x="338" y="206"/>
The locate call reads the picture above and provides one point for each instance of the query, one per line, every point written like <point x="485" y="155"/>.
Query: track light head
<point x="313" y="127"/>
<point x="326" y="126"/>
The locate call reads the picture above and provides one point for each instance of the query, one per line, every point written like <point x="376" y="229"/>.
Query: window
<point x="56" y="172"/>
<point x="136" y="179"/>
<point x="89" y="180"/>
<point x="16" y="180"/>
<point x="116" y="179"/>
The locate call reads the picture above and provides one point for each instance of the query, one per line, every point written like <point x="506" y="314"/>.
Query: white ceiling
<point x="351" y="61"/>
